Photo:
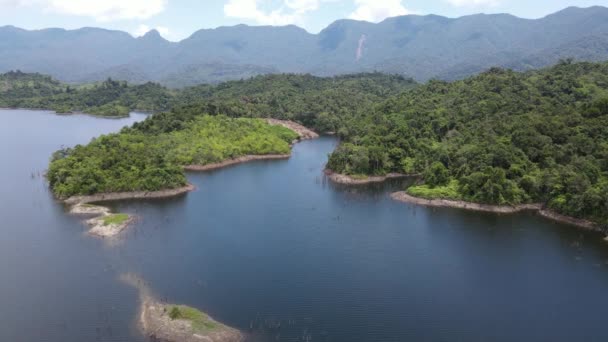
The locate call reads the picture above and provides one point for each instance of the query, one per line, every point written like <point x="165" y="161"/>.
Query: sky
<point x="178" y="19"/>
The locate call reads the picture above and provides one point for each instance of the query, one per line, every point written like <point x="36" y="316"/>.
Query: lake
<point x="274" y="249"/>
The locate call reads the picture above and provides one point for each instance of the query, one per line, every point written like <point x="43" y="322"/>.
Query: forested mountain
<point x="501" y="137"/>
<point x="108" y="98"/>
<point x="319" y="102"/>
<point x="422" y="47"/>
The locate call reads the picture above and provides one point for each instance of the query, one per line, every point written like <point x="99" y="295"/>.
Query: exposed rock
<point x="155" y="320"/>
<point x="302" y="131"/>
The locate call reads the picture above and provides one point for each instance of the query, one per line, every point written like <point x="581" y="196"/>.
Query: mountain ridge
<point x="419" y="46"/>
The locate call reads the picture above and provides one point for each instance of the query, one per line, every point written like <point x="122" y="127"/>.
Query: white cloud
<point x="101" y="10"/>
<point x="143" y="29"/>
<point x="288" y="12"/>
<point x="473" y="3"/>
<point x="378" y="10"/>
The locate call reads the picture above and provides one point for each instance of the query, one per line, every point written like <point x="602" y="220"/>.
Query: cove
<point x="276" y="250"/>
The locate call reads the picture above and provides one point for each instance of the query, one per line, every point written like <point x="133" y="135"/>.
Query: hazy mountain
<point x="419" y="46"/>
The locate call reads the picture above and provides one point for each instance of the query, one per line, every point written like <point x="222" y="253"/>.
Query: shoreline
<point x="77" y="112"/>
<point x="235" y="161"/>
<point x="349" y="180"/>
<point x="402" y="196"/>
<point x="97" y="221"/>
<point x="154" y="322"/>
<point x="304" y="132"/>
<point x="117" y="196"/>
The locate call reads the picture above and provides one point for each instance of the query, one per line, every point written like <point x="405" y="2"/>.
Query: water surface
<point x="273" y="249"/>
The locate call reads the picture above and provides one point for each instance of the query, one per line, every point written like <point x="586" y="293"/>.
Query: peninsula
<point x="162" y="321"/>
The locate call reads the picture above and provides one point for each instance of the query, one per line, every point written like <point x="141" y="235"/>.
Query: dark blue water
<point x="273" y="242"/>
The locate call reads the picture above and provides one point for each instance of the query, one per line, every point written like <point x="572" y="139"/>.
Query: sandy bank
<point x="101" y="229"/>
<point x="239" y="160"/>
<point x="115" y="196"/>
<point x="89" y="209"/>
<point x="402" y="196"/>
<point x="98" y="224"/>
<point x="346" y="179"/>
<point x="302" y="131"/>
<point x="155" y="323"/>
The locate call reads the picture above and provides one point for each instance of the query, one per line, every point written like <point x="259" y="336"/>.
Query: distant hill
<point x="422" y="47"/>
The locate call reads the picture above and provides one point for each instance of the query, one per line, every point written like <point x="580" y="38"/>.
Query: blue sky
<point x="177" y="19"/>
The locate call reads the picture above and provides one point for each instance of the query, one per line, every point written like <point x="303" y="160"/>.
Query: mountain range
<point x="422" y="47"/>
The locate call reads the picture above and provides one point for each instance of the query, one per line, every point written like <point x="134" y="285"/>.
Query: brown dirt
<point x="235" y="161"/>
<point x="346" y="179"/>
<point x="115" y="196"/>
<point x="154" y="320"/>
<point x="402" y="196"/>
<point x="100" y="229"/>
<point x="302" y="131"/>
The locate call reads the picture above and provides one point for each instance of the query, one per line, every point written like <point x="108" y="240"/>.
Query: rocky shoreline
<point x="155" y="322"/>
<point x="402" y="196"/>
<point x="349" y="180"/>
<point x="117" y="196"/>
<point x="304" y="132"/>
<point x="99" y="226"/>
<point x="239" y="160"/>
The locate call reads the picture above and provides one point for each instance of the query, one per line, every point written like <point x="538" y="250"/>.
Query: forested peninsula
<point x="498" y="138"/>
<point x="215" y="125"/>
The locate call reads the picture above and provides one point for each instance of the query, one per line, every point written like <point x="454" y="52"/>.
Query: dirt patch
<point x="155" y="321"/>
<point x="302" y="131"/>
<point x="350" y="180"/>
<point x="239" y="160"/>
<point x="116" y="196"/>
<point x="100" y="228"/>
<point x="501" y="209"/>
<point x="89" y="209"/>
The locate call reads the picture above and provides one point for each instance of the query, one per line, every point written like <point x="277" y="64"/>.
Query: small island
<point x="104" y="224"/>
<point x="177" y="323"/>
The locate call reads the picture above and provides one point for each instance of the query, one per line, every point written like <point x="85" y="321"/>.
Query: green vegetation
<point x="134" y="160"/>
<point x="501" y="137"/>
<point x="115" y="219"/>
<point x="211" y="124"/>
<point x="317" y="102"/>
<point x="447" y="191"/>
<point x="108" y="98"/>
<point x="323" y="104"/>
<point x="201" y="322"/>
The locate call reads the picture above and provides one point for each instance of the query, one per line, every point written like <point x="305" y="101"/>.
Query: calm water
<point x="272" y="242"/>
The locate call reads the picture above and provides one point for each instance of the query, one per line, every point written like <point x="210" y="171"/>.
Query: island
<point x="177" y="323"/>
<point x="103" y="223"/>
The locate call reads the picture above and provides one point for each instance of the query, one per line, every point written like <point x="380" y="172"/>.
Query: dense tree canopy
<point x="108" y="98"/>
<point x="137" y="161"/>
<point x="500" y="137"/>
<point x="317" y="102"/>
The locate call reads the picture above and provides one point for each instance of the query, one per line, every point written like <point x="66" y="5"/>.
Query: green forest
<point x="135" y="160"/>
<point x="109" y="98"/>
<point x="501" y="137"/>
<point x="317" y="102"/>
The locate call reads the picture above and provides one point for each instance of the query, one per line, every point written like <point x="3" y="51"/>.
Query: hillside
<point x="422" y="47"/>
<point x="501" y="137"/>
<point x="318" y="102"/>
